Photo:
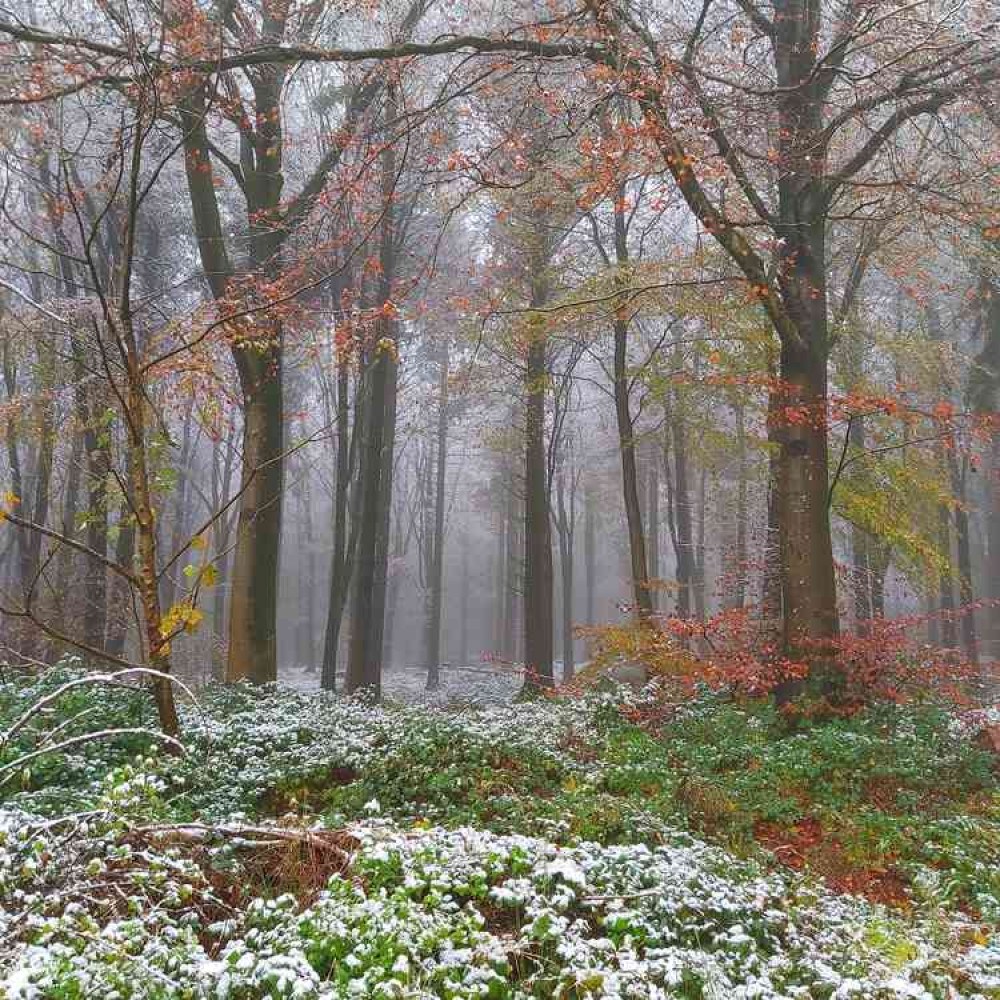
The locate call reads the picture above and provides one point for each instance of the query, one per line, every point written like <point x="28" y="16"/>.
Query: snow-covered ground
<point x="484" y="683"/>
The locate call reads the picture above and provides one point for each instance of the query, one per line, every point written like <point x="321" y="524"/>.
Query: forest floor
<point x="607" y="845"/>
<point x="475" y="683"/>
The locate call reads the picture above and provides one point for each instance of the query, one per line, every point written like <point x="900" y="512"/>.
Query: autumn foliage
<point x="732" y="650"/>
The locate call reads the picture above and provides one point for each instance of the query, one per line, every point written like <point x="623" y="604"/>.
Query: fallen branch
<point x="250" y="837"/>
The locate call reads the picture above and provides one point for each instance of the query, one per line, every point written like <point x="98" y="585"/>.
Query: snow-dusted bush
<point x="467" y="914"/>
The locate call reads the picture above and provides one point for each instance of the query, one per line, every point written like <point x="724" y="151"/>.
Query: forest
<point x="500" y="500"/>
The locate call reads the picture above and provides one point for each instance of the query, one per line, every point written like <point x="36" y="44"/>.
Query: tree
<point x="434" y="582"/>
<point x="984" y="397"/>
<point x="364" y="668"/>
<point x="129" y="368"/>
<point x="258" y="345"/>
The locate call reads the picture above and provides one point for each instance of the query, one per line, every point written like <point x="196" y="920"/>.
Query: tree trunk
<point x="879" y="555"/>
<point x="500" y="583"/>
<point x="933" y="621"/>
<point x="564" y="522"/>
<point x="992" y="568"/>
<point x="21" y="543"/>
<point x="391" y="610"/>
<point x="861" y="579"/>
<point x="463" y="625"/>
<point x="253" y="601"/>
<point x="121" y="593"/>
<point x="338" y="564"/>
<point x="946" y="588"/>
<point x="159" y="631"/>
<point x="364" y="668"/>
<point x="742" y="510"/>
<point x="538" y="576"/>
<point x="684" y="546"/>
<point x="808" y="585"/>
<point x="626" y="432"/>
<point x="253" y="604"/>
<point x="180" y="512"/>
<point x="860" y="556"/>
<point x="71" y="505"/>
<point x="653" y="521"/>
<point x="157" y="637"/>
<point x="97" y="444"/>
<point x="514" y="575"/>
<point x="590" y="553"/>
<point x="771" y="608"/>
<point x="377" y="622"/>
<point x="42" y="497"/>
<point x="308" y="650"/>
<point x="984" y="395"/>
<point x="699" y="588"/>
<point x="963" y="550"/>
<point x="436" y="582"/>
<point x="222" y="478"/>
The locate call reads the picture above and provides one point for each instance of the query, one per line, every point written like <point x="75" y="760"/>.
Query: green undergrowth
<point x="580" y="817"/>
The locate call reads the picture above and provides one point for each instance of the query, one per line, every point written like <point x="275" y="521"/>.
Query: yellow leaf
<point x="199" y="543"/>
<point x="194" y="618"/>
<point x="209" y="576"/>
<point x="180" y="616"/>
